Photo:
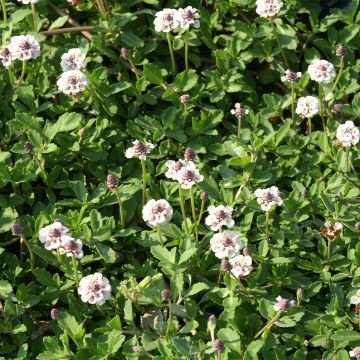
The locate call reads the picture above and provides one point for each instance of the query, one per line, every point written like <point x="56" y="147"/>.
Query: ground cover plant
<point x="179" y="179"/>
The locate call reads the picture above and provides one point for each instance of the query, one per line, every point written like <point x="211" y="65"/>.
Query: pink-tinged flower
<point x="321" y="71"/>
<point x="71" y="247"/>
<point x="139" y="150"/>
<point x="5" y="56"/>
<point x="51" y="235"/>
<point x="283" y="304"/>
<point x="157" y="212"/>
<point x="167" y="20"/>
<point x="241" y="265"/>
<point x="74" y="59"/>
<point x="268" y="8"/>
<point x="347" y="134"/>
<point x="188" y="175"/>
<point x="72" y="82"/>
<point x="219" y="216"/>
<point x="173" y="168"/>
<point x="307" y="106"/>
<point x="226" y="244"/>
<point x="94" y="289"/>
<point x="189" y="16"/>
<point x="268" y="197"/>
<point x="24" y="47"/>
<point x="355" y="352"/>
<point x="239" y="111"/>
<point x="355" y="299"/>
<point x="291" y="76"/>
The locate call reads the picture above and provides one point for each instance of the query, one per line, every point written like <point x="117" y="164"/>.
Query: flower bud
<point x="204" y="196"/>
<point x="336" y="107"/>
<point x="218" y="345"/>
<point x="300" y="293"/>
<point x="225" y="265"/>
<point x="16" y="229"/>
<point x="211" y="324"/>
<point x="28" y="146"/>
<point x="166" y="294"/>
<point x="54" y="313"/>
<point x="246" y="251"/>
<point x="185" y="98"/>
<point x="112" y="182"/>
<point x="136" y="349"/>
<point x="189" y="154"/>
<point x="125" y="53"/>
<point x="357" y="225"/>
<point x="341" y="51"/>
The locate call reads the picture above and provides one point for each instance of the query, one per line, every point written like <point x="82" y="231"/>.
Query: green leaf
<point x="153" y="74"/>
<point x="59" y="22"/>
<point x="129" y="38"/>
<point x="45" y="278"/>
<point x="186" y="80"/>
<point x="196" y="288"/>
<point x="162" y="254"/>
<point x="107" y="253"/>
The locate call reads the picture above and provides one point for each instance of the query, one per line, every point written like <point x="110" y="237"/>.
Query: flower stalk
<point x="160" y="235"/>
<point x="32" y="257"/>
<point x="268" y="325"/>
<point x="187" y="49"/>
<point x="279" y="44"/>
<point x="173" y="63"/>
<point x="182" y="206"/>
<point x="121" y="209"/>
<point x="3" y="5"/>
<point x="192" y="199"/>
<point x="143" y="166"/>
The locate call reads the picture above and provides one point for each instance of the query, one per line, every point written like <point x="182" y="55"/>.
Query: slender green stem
<point x="309" y="125"/>
<point x="237" y="195"/>
<point x="8" y="242"/>
<point x="32" y="257"/>
<point x="293" y="104"/>
<point x="121" y="209"/>
<point x="329" y="251"/>
<point x="11" y="76"/>
<point x="168" y="321"/>
<point x="238" y="126"/>
<point x="321" y="96"/>
<point x="339" y="75"/>
<point x="74" y="262"/>
<point x="269" y="324"/>
<point x="160" y="235"/>
<point x="173" y="63"/>
<point x="187" y="49"/>
<point x="219" y="276"/>
<point x="143" y="166"/>
<point x="42" y="170"/>
<point x="279" y="44"/>
<point x="101" y="8"/>
<point x="182" y="205"/>
<point x="202" y="206"/>
<point x="192" y="198"/>
<point x="34" y="16"/>
<point x="23" y="70"/>
<point x="3" y="5"/>
<point x="133" y="67"/>
<point x="267" y="225"/>
<point x="58" y="255"/>
<point x="349" y="164"/>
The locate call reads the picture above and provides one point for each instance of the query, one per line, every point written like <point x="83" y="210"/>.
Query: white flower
<point x="321" y="71"/>
<point x="94" y="289"/>
<point x="219" y="216"/>
<point x="347" y="134"/>
<point x="355" y="299"/>
<point x="268" y="197"/>
<point x="307" y="106"/>
<point x="239" y="111"/>
<point x="268" y="8"/>
<point x="226" y="244"/>
<point x="355" y="352"/>
<point x="24" y="47"/>
<point x="140" y="150"/>
<point x="51" y="235"/>
<point x="330" y="230"/>
<point x="71" y="246"/>
<point x="188" y="175"/>
<point x="157" y="212"/>
<point x="167" y="20"/>
<point x="241" y="265"/>
<point x="283" y="304"/>
<point x="5" y="56"/>
<point x="74" y="59"/>
<point x="291" y="76"/>
<point x="28" y="1"/>
<point x="189" y="16"/>
<point x="174" y="168"/>
<point x="72" y="82"/>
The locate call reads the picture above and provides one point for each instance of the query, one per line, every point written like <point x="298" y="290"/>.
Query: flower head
<point x="268" y="8"/>
<point x="321" y="71"/>
<point x="226" y="244"/>
<point x="139" y="150"/>
<point x="173" y="168"/>
<point x="355" y="352"/>
<point x="291" y="76"/>
<point x="341" y="51"/>
<point x="157" y="212"/>
<point x="24" y="47"/>
<point x="330" y="230"/>
<point x="72" y="82"/>
<point x="347" y="134"/>
<point x="16" y="229"/>
<point x="112" y="182"/>
<point x="188" y="175"/>
<point x="283" y="304"/>
<point x="94" y="289"/>
<point x="71" y="247"/>
<point x="239" y="111"/>
<point x="74" y="59"/>
<point x="307" y="106"/>
<point x="268" y="197"/>
<point x="189" y="16"/>
<point x="185" y="98"/>
<point x="219" y="216"/>
<point x="51" y="235"/>
<point x="167" y="20"/>
<point x="355" y="299"/>
<point x="241" y="265"/>
<point x="5" y="56"/>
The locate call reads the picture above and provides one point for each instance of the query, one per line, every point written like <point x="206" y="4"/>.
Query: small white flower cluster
<point x="171" y="19"/>
<point x="72" y="81"/>
<point x="239" y="111"/>
<point x="22" y="47"/>
<point x="321" y="71"/>
<point x="307" y="106"/>
<point x="268" y="197"/>
<point x="139" y="150"/>
<point x="26" y="2"/>
<point x="268" y="8"/>
<point x="347" y="134"/>
<point x="291" y="76"/>
<point x="57" y="236"/>
<point x="184" y="172"/>
<point x="219" y="216"/>
<point x="94" y="289"/>
<point x="157" y="212"/>
<point x="283" y="304"/>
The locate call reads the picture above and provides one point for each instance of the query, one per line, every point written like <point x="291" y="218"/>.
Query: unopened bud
<point x="189" y="154"/>
<point x="211" y="324"/>
<point x="185" y="98"/>
<point x="165" y="295"/>
<point x="112" y="182"/>
<point x="28" y="146"/>
<point x="336" y="107"/>
<point x="218" y="345"/>
<point x="124" y="52"/>
<point x="16" y="229"/>
<point x="137" y="349"/>
<point x="204" y="196"/>
<point x="341" y="51"/>
<point x="357" y="225"/>
<point x="225" y="265"/>
<point x="246" y="251"/>
<point x="54" y="313"/>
